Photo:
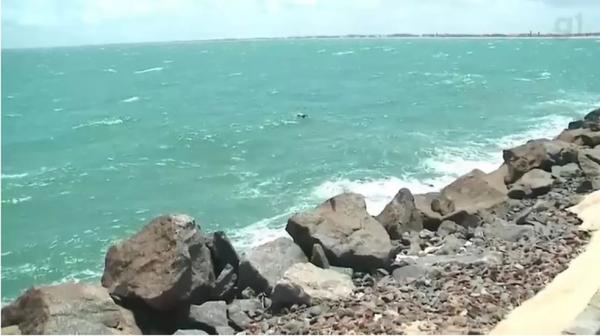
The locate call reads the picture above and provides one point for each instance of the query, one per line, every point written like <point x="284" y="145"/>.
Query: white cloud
<point x="53" y="22"/>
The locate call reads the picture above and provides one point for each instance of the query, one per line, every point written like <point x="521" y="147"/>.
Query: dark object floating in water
<point x="301" y="115"/>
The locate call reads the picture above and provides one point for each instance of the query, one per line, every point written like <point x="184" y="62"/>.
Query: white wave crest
<point x="131" y="99"/>
<point x="16" y="200"/>
<point x="106" y="122"/>
<point x="148" y="70"/>
<point x="14" y="176"/>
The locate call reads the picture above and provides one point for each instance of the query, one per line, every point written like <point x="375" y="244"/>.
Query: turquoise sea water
<point x="98" y="140"/>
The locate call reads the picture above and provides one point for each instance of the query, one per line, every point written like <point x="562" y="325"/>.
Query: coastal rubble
<point x="455" y="261"/>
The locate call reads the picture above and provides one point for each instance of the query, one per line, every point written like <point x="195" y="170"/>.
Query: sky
<point x="46" y="23"/>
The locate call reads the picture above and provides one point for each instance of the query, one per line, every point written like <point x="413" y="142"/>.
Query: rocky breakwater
<point x="455" y="261"/>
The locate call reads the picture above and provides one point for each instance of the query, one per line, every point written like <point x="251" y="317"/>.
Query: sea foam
<point x="148" y="70"/>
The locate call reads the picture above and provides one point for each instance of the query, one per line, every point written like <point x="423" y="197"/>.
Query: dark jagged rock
<point x="318" y="257"/>
<point x="534" y="183"/>
<point x="589" y="161"/>
<point x="593" y="116"/>
<point x="223" y="252"/>
<point x="348" y="234"/>
<point x="70" y="308"/>
<point x="263" y="266"/>
<point x="226" y="285"/>
<point x="400" y="215"/>
<point x="166" y="265"/>
<point x="209" y="315"/>
<point x="540" y="153"/>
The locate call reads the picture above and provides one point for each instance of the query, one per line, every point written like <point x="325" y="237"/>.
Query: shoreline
<point x="453" y="261"/>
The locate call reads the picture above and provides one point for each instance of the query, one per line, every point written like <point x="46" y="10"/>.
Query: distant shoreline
<point x="519" y="36"/>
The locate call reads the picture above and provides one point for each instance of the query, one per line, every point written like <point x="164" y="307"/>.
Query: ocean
<point x="98" y="140"/>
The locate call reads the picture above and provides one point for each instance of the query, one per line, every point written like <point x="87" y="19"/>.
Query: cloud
<point x="71" y="22"/>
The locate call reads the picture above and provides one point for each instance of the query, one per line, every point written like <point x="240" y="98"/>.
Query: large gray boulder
<point x="400" y="215"/>
<point x="589" y="161"/>
<point x="540" y="153"/>
<point x="348" y="234"/>
<point x="69" y="308"/>
<point x="166" y="265"/>
<point x="305" y="283"/>
<point x="264" y="265"/>
<point x="473" y="192"/>
<point x="534" y="183"/>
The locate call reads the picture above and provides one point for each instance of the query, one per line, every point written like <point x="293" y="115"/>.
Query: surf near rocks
<point x="455" y="261"/>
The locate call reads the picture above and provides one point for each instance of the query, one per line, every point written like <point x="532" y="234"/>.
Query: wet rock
<point x="264" y="265"/>
<point x="532" y="184"/>
<point x="166" y="265"/>
<point x="589" y="161"/>
<point x="348" y="234"/>
<point x="225" y="285"/>
<point x="541" y="154"/>
<point x="593" y="116"/>
<point x="305" y="283"/>
<point x="209" y="315"/>
<point x="70" y="308"/>
<point x="400" y="215"/>
<point x="449" y="227"/>
<point x="318" y="257"/>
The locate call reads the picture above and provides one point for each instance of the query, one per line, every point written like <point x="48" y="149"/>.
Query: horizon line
<point x="529" y="35"/>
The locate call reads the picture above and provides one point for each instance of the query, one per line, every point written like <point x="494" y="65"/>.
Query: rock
<point x="400" y="215"/>
<point x="589" y="161"/>
<point x="11" y="330"/>
<point x="593" y="116"/>
<point x="572" y="136"/>
<point x="409" y="272"/>
<point x="264" y="265"/>
<point x="343" y="270"/>
<point x="190" y="332"/>
<point x="348" y="234"/>
<point x="69" y="308"/>
<point x="442" y="205"/>
<point x="166" y="265"/>
<point x="464" y="219"/>
<point x="472" y="192"/>
<point x="209" y="315"/>
<point x="508" y="232"/>
<point x="223" y="252"/>
<point x="318" y="257"/>
<point x="423" y="203"/>
<point x="238" y="318"/>
<point x="248" y="307"/>
<point x="497" y="177"/>
<point x="591" y="138"/>
<point x="450" y="245"/>
<point x="540" y="153"/>
<point x="225" y="330"/>
<point x="534" y="183"/>
<point x="588" y="321"/>
<point x="225" y="285"/>
<point x="567" y="171"/>
<point x="449" y="227"/>
<point x="305" y="283"/>
<point x="522" y="217"/>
